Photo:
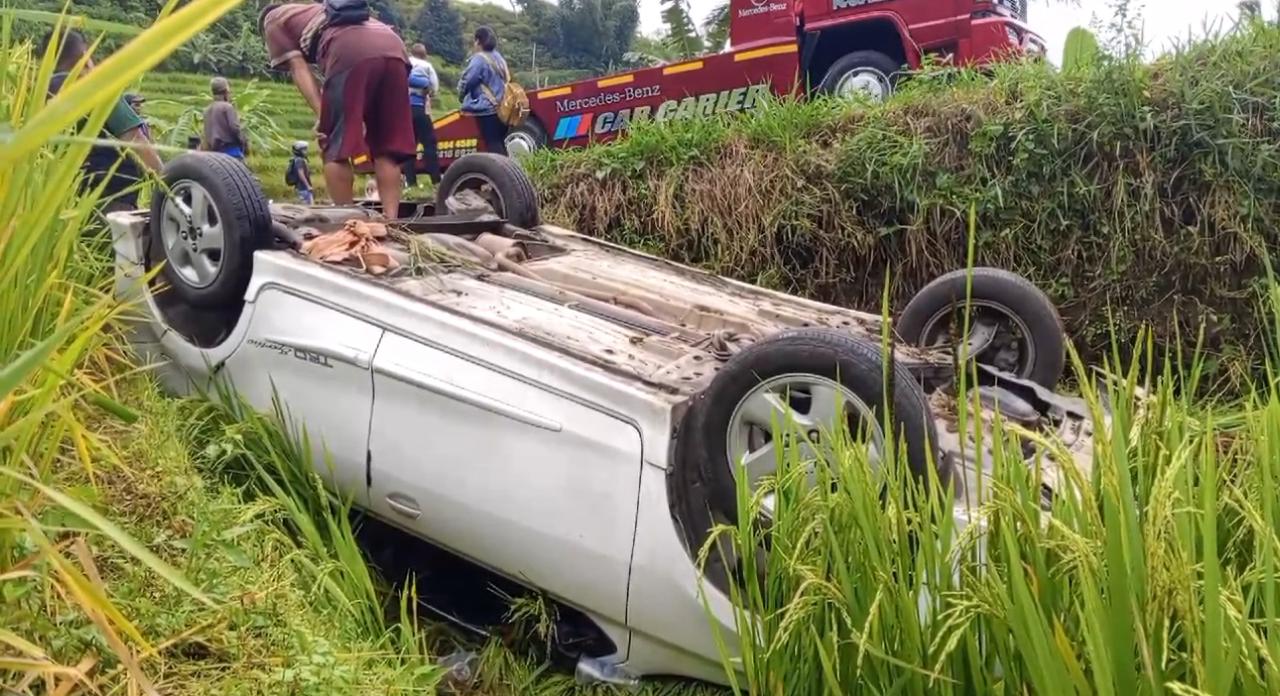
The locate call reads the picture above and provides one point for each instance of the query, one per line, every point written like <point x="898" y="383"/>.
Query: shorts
<point x="365" y="111"/>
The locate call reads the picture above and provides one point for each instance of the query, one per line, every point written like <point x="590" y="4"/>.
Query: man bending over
<point x="364" y="104"/>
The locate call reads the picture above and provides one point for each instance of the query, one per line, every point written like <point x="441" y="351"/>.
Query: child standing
<point x="299" y="175"/>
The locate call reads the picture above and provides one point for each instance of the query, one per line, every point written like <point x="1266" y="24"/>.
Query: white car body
<point x="527" y="435"/>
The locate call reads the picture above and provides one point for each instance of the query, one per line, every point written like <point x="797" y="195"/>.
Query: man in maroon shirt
<point x="364" y="104"/>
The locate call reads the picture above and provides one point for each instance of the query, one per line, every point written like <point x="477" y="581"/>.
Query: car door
<point x="534" y="484"/>
<point x="318" y="360"/>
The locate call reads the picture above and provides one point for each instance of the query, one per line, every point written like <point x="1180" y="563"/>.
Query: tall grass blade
<point x="117" y="535"/>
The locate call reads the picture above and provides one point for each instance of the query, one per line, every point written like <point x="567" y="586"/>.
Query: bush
<point x="1131" y="193"/>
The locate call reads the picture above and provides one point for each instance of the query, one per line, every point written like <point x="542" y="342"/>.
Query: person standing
<point x="222" y="131"/>
<point x="424" y="85"/>
<point x="363" y="107"/>
<point x="481" y="87"/>
<point x="298" y="175"/>
<point x="108" y="166"/>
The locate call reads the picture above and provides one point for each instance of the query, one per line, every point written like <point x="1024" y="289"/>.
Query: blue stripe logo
<point x="567" y="127"/>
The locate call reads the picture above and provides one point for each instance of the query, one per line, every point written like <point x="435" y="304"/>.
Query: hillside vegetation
<point x="1131" y="193"/>
<point x="544" y="42"/>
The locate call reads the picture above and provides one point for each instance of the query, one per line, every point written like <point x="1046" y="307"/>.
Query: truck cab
<point x="851" y="46"/>
<point x="788" y="48"/>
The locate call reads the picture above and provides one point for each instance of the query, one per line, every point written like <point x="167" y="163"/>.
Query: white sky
<point x="1163" y="19"/>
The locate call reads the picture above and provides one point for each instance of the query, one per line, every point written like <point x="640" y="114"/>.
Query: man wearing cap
<point x="363" y="107"/>
<point x="114" y="168"/>
<point x="222" y="132"/>
<point x="135" y="102"/>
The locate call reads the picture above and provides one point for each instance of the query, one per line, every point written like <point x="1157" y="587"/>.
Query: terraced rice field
<point x="274" y="115"/>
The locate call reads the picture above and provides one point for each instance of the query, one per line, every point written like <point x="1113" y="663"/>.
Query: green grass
<point x="1155" y="573"/>
<point x="269" y="630"/>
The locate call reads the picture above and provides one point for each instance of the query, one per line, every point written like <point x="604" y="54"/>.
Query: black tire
<point x="855" y="363"/>
<point x="885" y="68"/>
<point x="241" y="209"/>
<point x="530" y="132"/>
<point x="1043" y="325"/>
<point x="507" y="187"/>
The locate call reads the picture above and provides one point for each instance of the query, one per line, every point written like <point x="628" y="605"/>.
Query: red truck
<point x="783" y="47"/>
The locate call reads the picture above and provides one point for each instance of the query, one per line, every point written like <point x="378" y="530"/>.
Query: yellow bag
<point x="513" y="108"/>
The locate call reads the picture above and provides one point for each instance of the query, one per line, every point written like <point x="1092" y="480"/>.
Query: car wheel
<point x="526" y="138"/>
<point x="819" y="379"/>
<point x="869" y="73"/>
<point x="1013" y="325"/>
<point x="206" y="222"/>
<point x="499" y="180"/>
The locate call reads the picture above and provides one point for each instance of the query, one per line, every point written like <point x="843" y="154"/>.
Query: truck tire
<point x="862" y="72"/>
<point x="527" y="137"/>
<point x="1028" y="341"/>
<point x="499" y="180"/>
<point x="206" y="222"/>
<point x="805" y="372"/>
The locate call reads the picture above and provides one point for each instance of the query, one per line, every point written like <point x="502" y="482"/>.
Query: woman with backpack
<point x="481" y="88"/>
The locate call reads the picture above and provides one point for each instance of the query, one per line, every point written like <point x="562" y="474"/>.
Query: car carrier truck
<point x="779" y="47"/>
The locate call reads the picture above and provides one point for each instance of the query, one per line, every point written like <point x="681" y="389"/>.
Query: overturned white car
<point x="561" y="410"/>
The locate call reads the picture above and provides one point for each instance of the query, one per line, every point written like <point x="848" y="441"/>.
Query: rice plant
<point x="1152" y="571"/>
<point x="270" y="459"/>
<point x="56" y="355"/>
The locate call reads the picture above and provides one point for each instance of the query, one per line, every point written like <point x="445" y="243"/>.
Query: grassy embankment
<point x="1130" y="193"/>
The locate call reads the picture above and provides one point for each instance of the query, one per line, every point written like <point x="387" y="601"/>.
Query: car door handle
<point x="404" y="506"/>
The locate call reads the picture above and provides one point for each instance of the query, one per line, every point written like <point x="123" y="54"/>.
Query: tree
<point x="439" y="26"/>
<point x="716" y="25"/>
<point x="386" y="12"/>
<point x="682" y="36"/>
<point x="593" y="34"/>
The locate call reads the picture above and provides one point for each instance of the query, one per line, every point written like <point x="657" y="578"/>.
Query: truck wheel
<point x="870" y="73"/>
<point x="499" y="180"/>
<point x="206" y="222"/>
<point x="1013" y="325"/>
<point x="819" y="379"/>
<point x="526" y="138"/>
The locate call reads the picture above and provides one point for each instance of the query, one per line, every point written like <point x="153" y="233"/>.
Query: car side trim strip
<point x="350" y="356"/>
<point x="466" y="396"/>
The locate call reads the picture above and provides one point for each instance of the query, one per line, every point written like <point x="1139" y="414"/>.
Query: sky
<point x="1163" y="19"/>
